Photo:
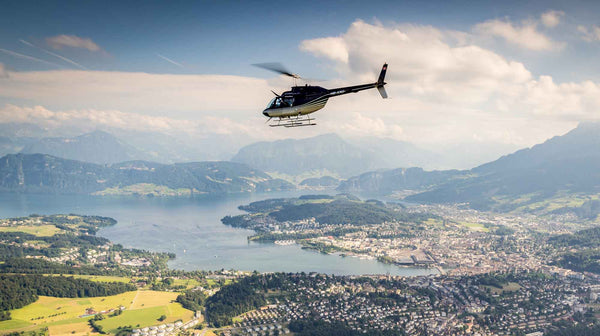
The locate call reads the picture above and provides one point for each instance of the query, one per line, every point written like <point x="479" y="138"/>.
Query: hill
<point x="391" y="153"/>
<point x="562" y="166"/>
<point x="96" y="147"/>
<point x="323" y="153"/>
<point x="385" y="182"/>
<point x="320" y="182"/>
<point x="39" y="173"/>
<point x="329" y="154"/>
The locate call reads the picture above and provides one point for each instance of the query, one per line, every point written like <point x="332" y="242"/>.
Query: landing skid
<point x="297" y="121"/>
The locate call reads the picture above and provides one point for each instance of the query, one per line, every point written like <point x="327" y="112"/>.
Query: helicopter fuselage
<point x="307" y="99"/>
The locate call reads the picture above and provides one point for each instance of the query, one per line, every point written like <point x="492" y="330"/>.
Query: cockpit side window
<point x="289" y="101"/>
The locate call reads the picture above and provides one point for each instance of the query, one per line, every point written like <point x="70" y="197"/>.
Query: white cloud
<point x="72" y="41"/>
<point x="87" y="120"/>
<point x="525" y="35"/>
<point x="589" y="34"/>
<point x="551" y="18"/>
<point x="181" y="96"/>
<point x="331" y="47"/>
<point x="443" y="89"/>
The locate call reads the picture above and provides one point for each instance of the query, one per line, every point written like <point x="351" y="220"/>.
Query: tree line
<point x="17" y="291"/>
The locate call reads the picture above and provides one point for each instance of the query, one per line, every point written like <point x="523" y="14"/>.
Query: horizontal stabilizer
<point x="382" y="92"/>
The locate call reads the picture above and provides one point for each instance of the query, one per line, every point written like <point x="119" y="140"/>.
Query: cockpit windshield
<point x="279" y="102"/>
<point x="271" y="103"/>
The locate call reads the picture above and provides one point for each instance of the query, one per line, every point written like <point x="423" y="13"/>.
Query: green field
<point x="144" y="317"/>
<point x="75" y="329"/>
<point x="433" y="222"/>
<point x="508" y="287"/>
<point x="97" y="278"/>
<point x="45" y="230"/>
<point x="475" y="226"/>
<point x="188" y="283"/>
<point x="141" y="307"/>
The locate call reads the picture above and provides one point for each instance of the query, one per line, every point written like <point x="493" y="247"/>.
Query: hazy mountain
<point x="320" y="182"/>
<point x="49" y="174"/>
<point x="386" y="182"/>
<point x="9" y="145"/>
<point x="330" y="154"/>
<point x="568" y="163"/>
<point x="22" y="130"/>
<point x="166" y="148"/>
<point x="96" y="147"/>
<point x="390" y="153"/>
<point x="467" y="155"/>
<point x="295" y="156"/>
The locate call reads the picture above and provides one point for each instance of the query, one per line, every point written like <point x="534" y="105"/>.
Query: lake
<point x="191" y="228"/>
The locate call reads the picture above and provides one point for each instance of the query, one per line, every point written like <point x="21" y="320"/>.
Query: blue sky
<point x="510" y="72"/>
<point x="225" y="37"/>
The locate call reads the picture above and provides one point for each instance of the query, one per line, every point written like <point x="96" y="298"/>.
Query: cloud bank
<point x="444" y="88"/>
<point x="525" y="35"/>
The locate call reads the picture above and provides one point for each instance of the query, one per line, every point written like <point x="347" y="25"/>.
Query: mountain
<point x="96" y="147"/>
<point x="12" y="145"/>
<point x="467" y="155"/>
<point x="323" y="153"/>
<point x="166" y="148"/>
<point x="40" y="173"/>
<point x="390" y="153"/>
<point x="320" y="182"/>
<point x="331" y="155"/>
<point x="386" y="182"/>
<point x="563" y="165"/>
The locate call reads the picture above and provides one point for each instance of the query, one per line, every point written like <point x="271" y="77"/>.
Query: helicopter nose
<point x="265" y="113"/>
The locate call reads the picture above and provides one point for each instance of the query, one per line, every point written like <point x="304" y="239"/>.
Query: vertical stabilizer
<point x="380" y="80"/>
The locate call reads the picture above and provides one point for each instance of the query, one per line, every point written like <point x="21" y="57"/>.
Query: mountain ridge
<point x="569" y="163"/>
<point x="42" y="173"/>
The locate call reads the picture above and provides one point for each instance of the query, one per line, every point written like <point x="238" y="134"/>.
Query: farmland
<point x="62" y="315"/>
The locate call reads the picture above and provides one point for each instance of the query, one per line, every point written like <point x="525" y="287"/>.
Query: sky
<point x="509" y="72"/>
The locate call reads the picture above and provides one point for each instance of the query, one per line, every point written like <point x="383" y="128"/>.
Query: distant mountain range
<point x="386" y="182"/>
<point x="295" y="158"/>
<point x="40" y="173"/>
<point x="324" y="153"/>
<point x="330" y="154"/>
<point x="115" y="145"/>
<point x="95" y="147"/>
<point x="564" y="164"/>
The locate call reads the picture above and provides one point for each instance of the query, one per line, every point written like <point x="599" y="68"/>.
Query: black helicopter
<point x="292" y="108"/>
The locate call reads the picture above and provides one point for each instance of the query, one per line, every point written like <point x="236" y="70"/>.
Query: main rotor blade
<point x="276" y="95"/>
<point x="277" y="67"/>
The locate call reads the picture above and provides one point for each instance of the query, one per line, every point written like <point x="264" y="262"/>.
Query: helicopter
<point x="293" y="108"/>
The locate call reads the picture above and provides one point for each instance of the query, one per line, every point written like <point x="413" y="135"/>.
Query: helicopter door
<point x="289" y="101"/>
